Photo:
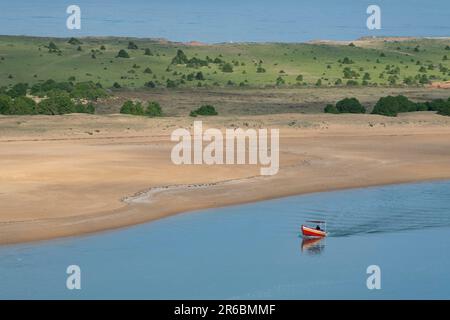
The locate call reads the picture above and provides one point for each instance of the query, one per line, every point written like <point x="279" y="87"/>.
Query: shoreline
<point x="60" y="231"/>
<point x="62" y="188"/>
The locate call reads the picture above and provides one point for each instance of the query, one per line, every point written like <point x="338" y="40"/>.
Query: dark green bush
<point x="122" y="54"/>
<point x="205" y="110"/>
<point x="23" y="106"/>
<point x="153" y="109"/>
<point x="350" y="105"/>
<point x="18" y="90"/>
<point x="88" y="90"/>
<point x="180" y="58"/>
<point x="74" y="41"/>
<point x="58" y="102"/>
<point x="5" y="103"/>
<point x="330" y="108"/>
<point x="132" y="45"/>
<point x="227" y="67"/>
<point x="391" y="105"/>
<point x="129" y="107"/>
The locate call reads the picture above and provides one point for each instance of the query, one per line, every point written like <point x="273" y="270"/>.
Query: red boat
<point x="317" y="232"/>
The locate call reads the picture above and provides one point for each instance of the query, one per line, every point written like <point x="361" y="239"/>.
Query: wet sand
<point x="75" y="174"/>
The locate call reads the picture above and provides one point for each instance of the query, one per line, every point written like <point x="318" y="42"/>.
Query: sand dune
<point x="68" y="175"/>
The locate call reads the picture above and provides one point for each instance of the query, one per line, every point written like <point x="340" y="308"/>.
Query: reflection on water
<point x="252" y="252"/>
<point x="313" y="246"/>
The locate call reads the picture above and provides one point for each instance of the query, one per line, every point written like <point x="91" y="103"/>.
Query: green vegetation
<point x="205" y="110"/>
<point x="350" y="105"/>
<point x="133" y="108"/>
<point x="55" y="103"/>
<point x="413" y="62"/>
<point x="331" y="108"/>
<point x="122" y="54"/>
<point x="153" y="109"/>
<point x="390" y="106"/>
<point x="81" y="90"/>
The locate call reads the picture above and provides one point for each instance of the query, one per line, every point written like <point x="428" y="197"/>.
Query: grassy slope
<point x="28" y="60"/>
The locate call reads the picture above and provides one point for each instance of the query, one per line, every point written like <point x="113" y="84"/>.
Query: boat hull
<point x="310" y="232"/>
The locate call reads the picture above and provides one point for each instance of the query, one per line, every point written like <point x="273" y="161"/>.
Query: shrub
<point x="74" y="41"/>
<point x="150" y="84"/>
<point x="440" y="105"/>
<point x="5" y="103"/>
<point x="148" y="52"/>
<point x="58" y="102"/>
<point x="280" y="81"/>
<point x="391" y="105"/>
<point x="122" y="54"/>
<point x="132" y="45"/>
<point x="445" y="110"/>
<point x="22" y="106"/>
<point x="199" y="76"/>
<point x="153" y="109"/>
<point x="350" y="105"/>
<point x="227" y="67"/>
<point x="180" y="58"/>
<point x="88" y="90"/>
<point x="205" y="110"/>
<point x="18" y="90"/>
<point x="129" y="107"/>
<point x="331" y="108"/>
<point x="84" y="108"/>
<point x="260" y="69"/>
<point x="52" y="47"/>
<point x="171" y="83"/>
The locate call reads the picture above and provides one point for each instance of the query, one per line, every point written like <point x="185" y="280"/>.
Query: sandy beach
<point x="76" y="174"/>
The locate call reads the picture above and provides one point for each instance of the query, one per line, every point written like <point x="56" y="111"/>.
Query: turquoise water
<point x="254" y="252"/>
<point x="223" y="21"/>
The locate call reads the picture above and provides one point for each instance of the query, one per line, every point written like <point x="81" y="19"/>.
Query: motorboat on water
<point x="320" y="231"/>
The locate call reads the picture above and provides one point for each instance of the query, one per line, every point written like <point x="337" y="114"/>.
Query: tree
<point x="153" y="109"/>
<point x="180" y="58"/>
<point x="148" y="52"/>
<point x="350" y="105"/>
<point x="122" y="54"/>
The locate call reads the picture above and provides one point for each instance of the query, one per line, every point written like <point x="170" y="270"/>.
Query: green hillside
<point x="151" y="63"/>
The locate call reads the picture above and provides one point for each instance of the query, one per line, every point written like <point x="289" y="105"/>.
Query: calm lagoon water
<point x="223" y="21"/>
<point x="254" y="252"/>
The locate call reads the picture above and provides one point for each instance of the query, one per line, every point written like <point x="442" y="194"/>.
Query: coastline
<point x="132" y="180"/>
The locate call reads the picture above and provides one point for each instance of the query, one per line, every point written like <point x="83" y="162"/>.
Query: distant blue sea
<point x="224" y="21"/>
<point x="254" y="251"/>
